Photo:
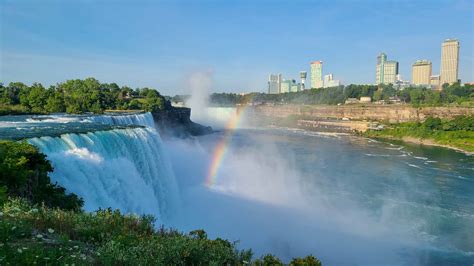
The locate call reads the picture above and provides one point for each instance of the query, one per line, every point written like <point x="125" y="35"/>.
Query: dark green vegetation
<point x="41" y="224"/>
<point x="454" y="94"/>
<point x="24" y="173"/>
<point x="77" y="96"/>
<point x="457" y="132"/>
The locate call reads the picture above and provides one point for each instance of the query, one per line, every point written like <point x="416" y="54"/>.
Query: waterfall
<point x="121" y="168"/>
<point x="142" y="119"/>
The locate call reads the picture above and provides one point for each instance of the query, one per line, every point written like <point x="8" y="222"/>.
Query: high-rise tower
<point x="274" y="83"/>
<point x="386" y="71"/>
<point x="449" y="61"/>
<point x="421" y="72"/>
<point x="317" y="74"/>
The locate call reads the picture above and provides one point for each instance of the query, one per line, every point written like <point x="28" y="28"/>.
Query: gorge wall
<point x="382" y="113"/>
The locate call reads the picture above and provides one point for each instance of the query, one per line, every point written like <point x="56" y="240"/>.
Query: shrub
<point x="24" y="173"/>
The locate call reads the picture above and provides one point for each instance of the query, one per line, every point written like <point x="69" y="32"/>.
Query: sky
<point x="160" y="44"/>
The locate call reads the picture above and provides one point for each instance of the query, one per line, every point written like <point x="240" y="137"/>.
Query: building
<point x="303" y="79"/>
<point x="274" y="83"/>
<point x="330" y="82"/>
<point x="386" y="71"/>
<point x="449" y="61"/>
<point x="365" y="99"/>
<point x="317" y="74"/>
<point x="295" y="87"/>
<point x="421" y="72"/>
<point x="351" y="101"/>
<point x="286" y="86"/>
<point x="401" y="84"/>
<point x="434" y="82"/>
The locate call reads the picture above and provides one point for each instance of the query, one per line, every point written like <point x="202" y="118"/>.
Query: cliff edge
<point x="176" y="122"/>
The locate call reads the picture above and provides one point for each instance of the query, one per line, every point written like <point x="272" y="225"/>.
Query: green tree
<point x="24" y="173"/>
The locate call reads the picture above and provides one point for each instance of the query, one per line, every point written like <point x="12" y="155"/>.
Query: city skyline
<point x="133" y="44"/>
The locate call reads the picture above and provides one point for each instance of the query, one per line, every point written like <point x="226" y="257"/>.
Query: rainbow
<point x="222" y="147"/>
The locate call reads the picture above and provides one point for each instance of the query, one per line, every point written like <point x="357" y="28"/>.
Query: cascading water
<point x="143" y="119"/>
<point x="121" y="168"/>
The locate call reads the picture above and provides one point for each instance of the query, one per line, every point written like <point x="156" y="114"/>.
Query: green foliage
<point x="306" y="261"/>
<point x="453" y="94"/>
<point x="30" y="234"/>
<point x="457" y="132"/>
<point x="432" y="123"/>
<point x="268" y="260"/>
<point x="3" y="194"/>
<point x="24" y="173"/>
<point x="77" y="96"/>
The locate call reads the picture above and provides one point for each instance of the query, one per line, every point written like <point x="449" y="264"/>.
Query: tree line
<point x="450" y="94"/>
<point x="77" y="96"/>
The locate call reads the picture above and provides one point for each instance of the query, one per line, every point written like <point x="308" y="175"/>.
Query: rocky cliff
<point x="176" y="121"/>
<point x="371" y="112"/>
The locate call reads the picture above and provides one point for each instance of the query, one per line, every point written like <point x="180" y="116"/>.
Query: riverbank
<point x="451" y="128"/>
<point x="456" y="134"/>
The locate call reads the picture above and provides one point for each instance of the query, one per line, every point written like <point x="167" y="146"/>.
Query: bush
<point x="30" y="234"/>
<point x="432" y="123"/>
<point x="24" y="173"/>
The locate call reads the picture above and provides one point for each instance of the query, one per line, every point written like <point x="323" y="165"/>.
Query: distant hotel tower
<point x="274" y="83"/>
<point x="421" y="72"/>
<point x="317" y="74"/>
<point x="449" y="61"/>
<point x="386" y="71"/>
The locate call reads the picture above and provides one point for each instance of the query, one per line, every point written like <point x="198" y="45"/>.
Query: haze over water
<point x="345" y="199"/>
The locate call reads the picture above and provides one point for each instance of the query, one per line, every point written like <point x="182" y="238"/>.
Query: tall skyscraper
<point x="274" y="83"/>
<point x="303" y="79"/>
<point x="386" y="71"/>
<point x="421" y="72"/>
<point x="449" y="61"/>
<point x="317" y="74"/>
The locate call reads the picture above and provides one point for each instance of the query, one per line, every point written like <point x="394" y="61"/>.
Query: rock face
<point x="382" y="113"/>
<point x="176" y="122"/>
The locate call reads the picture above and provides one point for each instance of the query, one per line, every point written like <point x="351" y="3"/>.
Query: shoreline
<point x="419" y="141"/>
<point x="406" y="139"/>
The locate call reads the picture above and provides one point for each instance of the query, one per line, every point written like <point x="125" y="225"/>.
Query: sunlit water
<point x="346" y="200"/>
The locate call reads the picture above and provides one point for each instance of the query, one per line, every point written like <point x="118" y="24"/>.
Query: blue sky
<point x="160" y="43"/>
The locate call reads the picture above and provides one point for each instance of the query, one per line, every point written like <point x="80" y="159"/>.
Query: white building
<point x="329" y="81"/>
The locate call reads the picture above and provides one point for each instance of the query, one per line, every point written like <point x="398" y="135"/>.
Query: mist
<point x="199" y="84"/>
<point x="263" y="201"/>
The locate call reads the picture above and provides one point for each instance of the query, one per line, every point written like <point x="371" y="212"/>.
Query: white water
<point x="122" y="168"/>
<point x="216" y="117"/>
<point x="145" y="119"/>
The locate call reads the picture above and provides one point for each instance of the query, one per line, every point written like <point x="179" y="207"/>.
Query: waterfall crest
<point x="142" y="119"/>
